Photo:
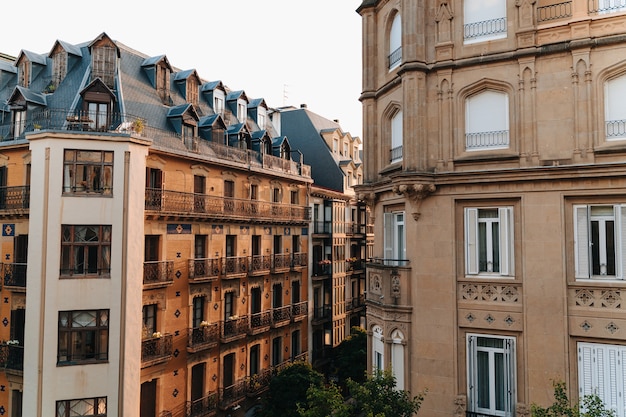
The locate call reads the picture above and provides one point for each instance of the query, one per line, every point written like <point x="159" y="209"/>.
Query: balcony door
<point x="197" y="385"/>
<point x="148" y="399"/>
<point x="229" y="370"/>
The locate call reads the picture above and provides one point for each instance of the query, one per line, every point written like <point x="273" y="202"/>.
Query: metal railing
<point x="487" y="140"/>
<point x="260" y="321"/>
<point x="232" y="394"/>
<point x="177" y="202"/>
<point x="323" y="312"/>
<point x="395" y="154"/>
<point x="15" y="198"/>
<point x="322" y="227"/>
<point x="322" y="269"/>
<point x="234" y="327"/>
<point x="554" y="12"/>
<point x="299" y="259"/>
<point x="281" y="261"/>
<point x="12" y="357"/>
<point x="158" y="272"/>
<point x="394" y="58"/>
<point x="615" y="128"/>
<point x="204" y="268"/>
<point x="389" y="262"/>
<point x="260" y="264"/>
<point x="14" y="274"/>
<point x="476" y="30"/>
<point x="300" y="309"/>
<point x="156" y="348"/>
<point x="606" y="6"/>
<point x="281" y="315"/>
<point x="235" y="266"/>
<point x="204" y="406"/>
<point x="203" y="337"/>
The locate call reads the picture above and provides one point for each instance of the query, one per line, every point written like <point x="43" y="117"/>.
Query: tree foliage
<point x="351" y="356"/>
<point x="288" y="389"/>
<point x="378" y="397"/>
<point x="589" y="405"/>
<point x="324" y="402"/>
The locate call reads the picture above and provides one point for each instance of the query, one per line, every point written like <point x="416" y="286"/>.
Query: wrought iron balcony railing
<point x="299" y="310"/>
<point x="235" y="266"/>
<point x="14" y="275"/>
<point x="203" y="205"/>
<point x="281" y="315"/>
<point x="156" y="350"/>
<point x="202" y="407"/>
<point x="15" y="198"/>
<point x="322" y="227"/>
<point x="395" y="154"/>
<point x="323" y="312"/>
<point x="12" y="357"/>
<point x="322" y="269"/>
<point x="204" y="269"/>
<point x="299" y="259"/>
<point x="260" y="264"/>
<point x="554" y="11"/>
<point x="260" y="322"/>
<point x="476" y="30"/>
<point x="281" y="262"/>
<point x="394" y="58"/>
<point x="234" y="328"/>
<point x="158" y="272"/>
<point x="203" y="337"/>
<point x="231" y="395"/>
<point x="487" y="140"/>
<point x="259" y="382"/>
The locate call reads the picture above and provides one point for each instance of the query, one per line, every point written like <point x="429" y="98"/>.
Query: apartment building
<point x="340" y="236"/>
<point x="155" y="235"/>
<point x="494" y="167"/>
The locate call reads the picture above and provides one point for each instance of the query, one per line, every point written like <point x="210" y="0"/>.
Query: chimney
<point x="336" y="121"/>
<point x="303" y="106"/>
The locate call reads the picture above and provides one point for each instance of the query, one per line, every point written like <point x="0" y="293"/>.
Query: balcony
<point x="12" y="357"/>
<point x="322" y="314"/>
<point x="204" y="269"/>
<point x="14" y="201"/>
<point x="322" y="269"/>
<point x="234" y="329"/>
<point x="203" y="337"/>
<point x="322" y="227"/>
<point x="158" y="273"/>
<point x="14" y="275"/>
<point x="281" y="262"/>
<point x="260" y="265"/>
<point x="176" y="203"/>
<point x="354" y="265"/>
<point x="299" y="310"/>
<point x="258" y="383"/>
<point x="354" y="228"/>
<point x="232" y="395"/>
<point x="156" y="350"/>
<point x="554" y="12"/>
<point x="299" y="260"/>
<point x="384" y="279"/>
<point x="205" y="406"/>
<point x="235" y="266"/>
<point x="281" y="316"/>
<point x="356" y="302"/>
<point x="260" y="322"/>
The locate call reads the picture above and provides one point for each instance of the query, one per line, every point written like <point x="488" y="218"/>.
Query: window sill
<point x="82" y="362"/>
<point x="611" y="147"/>
<point x="486" y="156"/>
<point x="86" y="276"/>
<point x="487" y="277"/>
<point x="396" y="166"/>
<point x="598" y="282"/>
<point x="107" y="193"/>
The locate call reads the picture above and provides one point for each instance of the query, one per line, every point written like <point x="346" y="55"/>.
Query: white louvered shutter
<point x="620" y="238"/>
<point x="581" y="242"/>
<point x="471" y="241"/>
<point x="506" y="240"/>
<point x="471" y="372"/>
<point x="509" y="377"/>
<point x="388" y="235"/>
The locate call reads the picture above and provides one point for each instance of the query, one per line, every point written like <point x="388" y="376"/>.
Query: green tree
<point x="323" y="402"/>
<point x="378" y="397"/>
<point x="288" y="389"/>
<point x="589" y="405"/>
<point x="351" y="356"/>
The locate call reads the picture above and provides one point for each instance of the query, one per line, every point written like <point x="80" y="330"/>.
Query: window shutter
<point x="388" y="236"/>
<point x="471" y="241"/>
<point x="506" y="240"/>
<point x="471" y="372"/>
<point x="581" y="241"/>
<point x="620" y="237"/>
<point x="509" y="378"/>
<point x="585" y="369"/>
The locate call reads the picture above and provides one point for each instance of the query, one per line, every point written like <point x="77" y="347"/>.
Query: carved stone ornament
<point x="395" y="286"/>
<point x="415" y="193"/>
<point x="370" y="202"/>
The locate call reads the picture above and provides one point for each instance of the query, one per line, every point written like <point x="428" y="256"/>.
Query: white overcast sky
<point x="288" y="52"/>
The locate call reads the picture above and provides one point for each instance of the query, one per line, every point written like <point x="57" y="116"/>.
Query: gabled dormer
<point x="158" y="71"/>
<point x="257" y="111"/>
<point x="214" y="93"/>
<point x="20" y="102"/>
<point x="64" y="56"/>
<point x="184" y="119"/>
<point x="104" y="56"/>
<point x="188" y="83"/>
<point x="281" y="147"/>
<point x="212" y="128"/>
<point x="239" y="136"/>
<point x="98" y="106"/>
<point x="262" y="142"/>
<point x="8" y="74"/>
<point x="237" y="103"/>
<point x="29" y="65"/>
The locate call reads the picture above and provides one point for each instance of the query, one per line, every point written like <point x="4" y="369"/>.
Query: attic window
<point x="219" y="105"/>
<point x="24" y="73"/>
<point x="103" y="61"/>
<point x="192" y="91"/>
<point x="59" y="66"/>
<point x="241" y="112"/>
<point x="163" y="81"/>
<point x="261" y="121"/>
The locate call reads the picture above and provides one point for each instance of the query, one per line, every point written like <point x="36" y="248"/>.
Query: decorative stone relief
<point x="395" y="286"/>
<point x="522" y="410"/>
<point x="370" y="202"/>
<point x="460" y="403"/>
<point x="489" y="292"/>
<point x="415" y="193"/>
<point x="375" y="284"/>
<point x="603" y="298"/>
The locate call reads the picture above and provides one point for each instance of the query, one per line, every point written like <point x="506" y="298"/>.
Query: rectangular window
<point x="198" y="310"/>
<point x="396" y="138"/>
<point x="103" y="63"/>
<point x="261" y="121"/>
<point x="335" y="146"/>
<point x="254" y="192"/>
<point x="85" y="250"/>
<point x="83" y="337"/>
<point x="294" y="197"/>
<point x="87" y="171"/>
<point x="98" y="116"/>
<point x="601" y="370"/>
<point x="484" y="20"/>
<point x="228" y="305"/>
<point x="277" y="343"/>
<point x="19" y="122"/>
<point x="200" y="246"/>
<point x="395" y="246"/>
<point x="600" y="241"/>
<point x="255" y="359"/>
<point x="491" y="375"/>
<point x="219" y="105"/>
<point x="489" y="241"/>
<point x="241" y="112"/>
<point x="149" y="318"/>
<point x="229" y="189"/>
<point x="96" y="407"/>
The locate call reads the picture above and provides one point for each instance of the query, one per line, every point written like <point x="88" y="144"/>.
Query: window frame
<point x="483" y="17"/>
<point x="68" y="407"/>
<point x="96" y="177"/>
<point x="76" y="334"/>
<point x="472" y="244"/>
<point x="508" y="377"/>
<point x="584" y="245"/>
<point x="615" y="114"/>
<point x="394" y="57"/>
<point x="394" y="249"/>
<point x="498" y="132"/>
<point x="599" y="368"/>
<point x="396" y="142"/>
<point x="70" y="251"/>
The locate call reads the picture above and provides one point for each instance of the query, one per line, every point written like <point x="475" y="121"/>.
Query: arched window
<point x="484" y="20"/>
<point x="396" y="137"/>
<point x="487" y="121"/>
<point x="395" y="42"/>
<point x="615" y="108"/>
<point x="378" y="349"/>
<point x="397" y="358"/>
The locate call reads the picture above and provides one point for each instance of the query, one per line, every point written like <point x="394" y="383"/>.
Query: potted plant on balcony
<point x="138" y="126"/>
<point x="204" y="324"/>
<point x="156" y="335"/>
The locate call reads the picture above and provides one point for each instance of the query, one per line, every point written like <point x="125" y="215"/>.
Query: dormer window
<point x="24" y="73"/>
<point x="218" y="106"/>
<point x="59" y="66"/>
<point x="104" y="55"/>
<point x="192" y="91"/>
<point x="97" y="106"/>
<point x="163" y="81"/>
<point x="19" y="122"/>
<point x="261" y="121"/>
<point x="241" y="112"/>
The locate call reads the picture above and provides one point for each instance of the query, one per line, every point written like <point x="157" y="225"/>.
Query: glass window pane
<point x="482" y="380"/>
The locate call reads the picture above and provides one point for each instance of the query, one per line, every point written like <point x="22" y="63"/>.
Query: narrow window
<point x="489" y="241"/>
<point x="395" y="43"/>
<point x="394" y="239"/>
<point x="396" y="137"/>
